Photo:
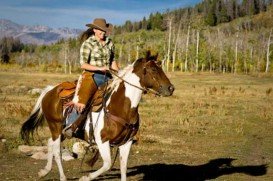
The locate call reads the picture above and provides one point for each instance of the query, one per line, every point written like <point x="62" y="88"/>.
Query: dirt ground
<point x="214" y="127"/>
<point x="143" y="165"/>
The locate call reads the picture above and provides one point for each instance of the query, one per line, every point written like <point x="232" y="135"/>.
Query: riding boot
<point x="86" y="90"/>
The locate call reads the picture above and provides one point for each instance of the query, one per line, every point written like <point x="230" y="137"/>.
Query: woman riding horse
<point x="96" y="56"/>
<point x="114" y="125"/>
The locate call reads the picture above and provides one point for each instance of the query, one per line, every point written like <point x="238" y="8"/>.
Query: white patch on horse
<point x="98" y="123"/>
<point x="132" y="92"/>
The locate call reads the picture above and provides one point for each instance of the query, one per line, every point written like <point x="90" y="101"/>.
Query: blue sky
<point x="77" y="13"/>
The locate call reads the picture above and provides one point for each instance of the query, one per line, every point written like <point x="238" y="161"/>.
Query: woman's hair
<point x="86" y="34"/>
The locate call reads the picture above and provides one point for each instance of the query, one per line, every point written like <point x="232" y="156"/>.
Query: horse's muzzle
<point x="166" y="90"/>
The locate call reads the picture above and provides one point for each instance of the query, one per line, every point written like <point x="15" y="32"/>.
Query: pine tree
<point x="210" y="17"/>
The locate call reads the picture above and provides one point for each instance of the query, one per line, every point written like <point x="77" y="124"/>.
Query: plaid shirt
<point x="94" y="53"/>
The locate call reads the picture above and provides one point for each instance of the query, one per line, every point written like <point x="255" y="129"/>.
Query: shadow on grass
<point x="211" y="170"/>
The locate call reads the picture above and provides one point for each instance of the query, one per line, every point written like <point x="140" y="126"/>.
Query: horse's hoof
<point x="84" y="178"/>
<point x="63" y="179"/>
<point x="67" y="132"/>
<point x="42" y="173"/>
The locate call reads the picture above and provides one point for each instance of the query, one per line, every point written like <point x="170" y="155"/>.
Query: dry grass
<point x="209" y="116"/>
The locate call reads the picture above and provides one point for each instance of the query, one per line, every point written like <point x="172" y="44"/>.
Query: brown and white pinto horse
<point x="114" y="125"/>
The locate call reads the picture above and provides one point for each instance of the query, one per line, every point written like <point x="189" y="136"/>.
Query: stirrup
<point x="67" y="132"/>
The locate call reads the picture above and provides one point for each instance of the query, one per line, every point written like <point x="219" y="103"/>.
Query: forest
<point x="233" y="36"/>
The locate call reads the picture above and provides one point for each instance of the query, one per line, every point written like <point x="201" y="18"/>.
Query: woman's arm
<point x="89" y="67"/>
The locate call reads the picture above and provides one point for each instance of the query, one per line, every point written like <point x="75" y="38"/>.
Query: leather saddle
<point x="66" y="91"/>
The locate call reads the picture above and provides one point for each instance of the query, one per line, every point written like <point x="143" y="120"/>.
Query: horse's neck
<point x="125" y="97"/>
<point x="132" y="92"/>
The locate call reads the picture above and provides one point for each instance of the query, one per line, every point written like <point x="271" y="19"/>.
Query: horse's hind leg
<point x="52" y="108"/>
<point x="43" y="172"/>
<point x="124" y="151"/>
<point x="54" y="149"/>
<point x="58" y="158"/>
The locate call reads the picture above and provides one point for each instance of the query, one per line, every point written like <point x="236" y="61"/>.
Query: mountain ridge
<point x="36" y="34"/>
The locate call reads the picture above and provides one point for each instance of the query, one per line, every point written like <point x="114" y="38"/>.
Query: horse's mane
<point x="121" y="74"/>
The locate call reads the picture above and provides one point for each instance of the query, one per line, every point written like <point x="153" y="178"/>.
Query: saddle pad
<point x="66" y="89"/>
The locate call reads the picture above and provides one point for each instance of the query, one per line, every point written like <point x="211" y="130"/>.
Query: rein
<point x="113" y="72"/>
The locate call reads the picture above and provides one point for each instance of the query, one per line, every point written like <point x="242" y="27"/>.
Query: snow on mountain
<point x="37" y="34"/>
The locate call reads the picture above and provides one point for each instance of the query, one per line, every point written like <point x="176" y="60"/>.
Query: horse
<point x="114" y="125"/>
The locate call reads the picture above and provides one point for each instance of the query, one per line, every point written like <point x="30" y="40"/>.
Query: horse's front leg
<point x="124" y="151"/>
<point x="104" y="149"/>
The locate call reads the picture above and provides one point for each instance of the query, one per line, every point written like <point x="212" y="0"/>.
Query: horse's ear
<point x="148" y="55"/>
<point x="155" y="57"/>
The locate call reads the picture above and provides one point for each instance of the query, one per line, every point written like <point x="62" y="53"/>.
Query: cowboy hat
<point x="100" y="23"/>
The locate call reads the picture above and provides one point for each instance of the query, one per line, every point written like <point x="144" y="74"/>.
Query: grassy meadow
<point x="211" y="118"/>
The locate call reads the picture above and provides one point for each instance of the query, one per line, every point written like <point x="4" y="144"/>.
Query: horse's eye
<point x="154" y="69"/>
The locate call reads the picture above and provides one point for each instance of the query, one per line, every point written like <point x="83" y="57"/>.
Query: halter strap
<point x="113" y="72"/>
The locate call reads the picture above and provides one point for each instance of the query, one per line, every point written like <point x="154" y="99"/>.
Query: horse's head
<point x="152" y="76"/>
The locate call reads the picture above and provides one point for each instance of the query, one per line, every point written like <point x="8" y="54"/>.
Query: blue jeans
<point x="100" y="79"/>
<point x="72" y="116"/>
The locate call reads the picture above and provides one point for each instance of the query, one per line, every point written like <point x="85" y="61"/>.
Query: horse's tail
<point x="35" y="119"/>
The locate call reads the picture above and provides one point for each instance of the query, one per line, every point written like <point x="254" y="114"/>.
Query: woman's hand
<point x="103" y="69"/>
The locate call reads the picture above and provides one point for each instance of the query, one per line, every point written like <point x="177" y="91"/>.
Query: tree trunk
<point x="251" y="57"/>
<point x="268" y="53"/>
<point x="197" y="51"/>
<point x="169" y="44"/>
<point x="69" y="67"/>
<point x="187" y="49"/>
<point x="236" y="53"/>
<point x="245" y="57"/>
<point x="210" y="65"/>
<point x="220" y="50"/>
<point x="129" y="54"/>
<point x="65" y="58"/>
<point x="137" y="50"/>
<point x="121" y="49"/>
<point x="175" y="45"/>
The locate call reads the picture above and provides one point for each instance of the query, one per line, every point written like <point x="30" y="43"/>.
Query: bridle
<point x="145" y="90"/>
